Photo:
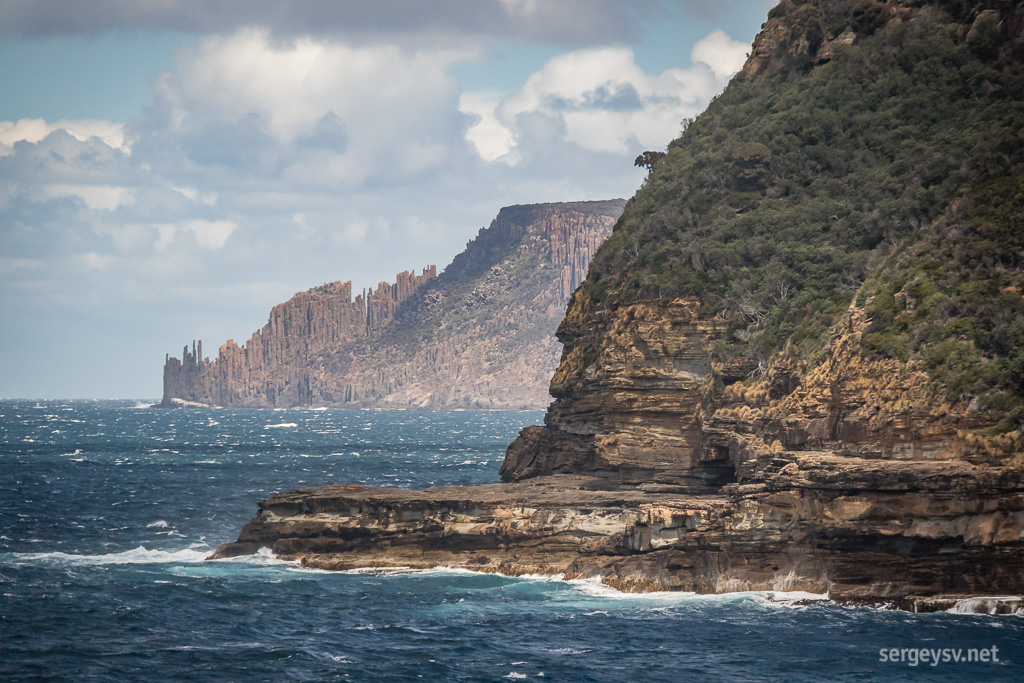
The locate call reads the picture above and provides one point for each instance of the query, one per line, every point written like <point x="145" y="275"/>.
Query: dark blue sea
<point x="107" y="509"/>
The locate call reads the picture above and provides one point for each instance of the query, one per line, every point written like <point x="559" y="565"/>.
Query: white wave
<point x="190" y="404"/>
<point x="282" y="425"/>
<point x="560" y="578"/>
<point x="339" y="659"/>
<point x="793" y="598"/>
<point x="140" y="555"/>
<point x="158" y="524"/>
<point x="515" y="675"/>
<point x="139" y="405"/>
<point x="386" y="571"/>
<point x="995" y="604"/>
<point x="264" y="557"/>
<point x="594" y="587"/>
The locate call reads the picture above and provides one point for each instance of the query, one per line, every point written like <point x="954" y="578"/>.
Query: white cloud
<point x="317" y="111"/>
<point x="724" y="55"/>
<point x="96" y="261"/>
<point x="207" y="234"/>
<point x="600" y="100"/>
<point x="34" y="130"/>
<point x="10" y="264"/>
<point x="106" y="197"/>
<point x="491" y="139"/>
<point x="208" y="198"/>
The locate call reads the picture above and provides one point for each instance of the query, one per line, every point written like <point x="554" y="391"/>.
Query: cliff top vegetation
<point x="869" y="152"/>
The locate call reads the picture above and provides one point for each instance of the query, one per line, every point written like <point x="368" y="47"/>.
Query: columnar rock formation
<point x="272" y="368"/>
<point x="797" y="363"/>
<point x="479" y="336"/>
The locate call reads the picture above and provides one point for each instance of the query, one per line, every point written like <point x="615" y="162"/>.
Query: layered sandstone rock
<point x="915" y="534"/>
<point x="854" y="479"/>
<point x="630" y="402"/>
<point x="478" y="336"/>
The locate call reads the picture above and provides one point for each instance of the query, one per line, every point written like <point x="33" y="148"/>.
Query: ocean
<point x="108" y="509"/>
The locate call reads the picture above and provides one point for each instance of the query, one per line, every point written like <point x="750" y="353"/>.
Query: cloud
<point x="207" y="234"/>
<point x="600" y="100"/>
<point x="97" y="261"/>
<point x="562" y="22"/>
<point x="311" y="111"/>
<point x="104" y="197"/>
<point x="193" y="194"/>
<point x="488" y="136"/>
<point x="724" y="55"/>
<point x="716" y="10"/>
<point x="35" y="130"/>
<point x="10" y="264"/>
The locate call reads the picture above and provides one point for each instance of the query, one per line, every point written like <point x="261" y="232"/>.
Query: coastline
<point x="909" y="553"/>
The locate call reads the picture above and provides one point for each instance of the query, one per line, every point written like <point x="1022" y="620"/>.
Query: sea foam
<point x="140" y="555"/>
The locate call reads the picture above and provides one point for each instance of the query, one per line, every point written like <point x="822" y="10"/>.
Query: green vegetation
<point x="951" y="297"/>
<point x="893" y="174"/>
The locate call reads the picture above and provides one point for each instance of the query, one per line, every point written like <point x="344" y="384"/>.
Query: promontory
<point x="797" y="363"/>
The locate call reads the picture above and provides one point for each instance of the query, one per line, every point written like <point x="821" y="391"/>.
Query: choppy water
<point x="107" y="510"/>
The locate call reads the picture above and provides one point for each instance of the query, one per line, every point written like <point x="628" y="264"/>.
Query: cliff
<point x="830" y="272"/>
<point x="480" y="335"/>
<point x="272" y="368"/>
<point x="796" y="364"/>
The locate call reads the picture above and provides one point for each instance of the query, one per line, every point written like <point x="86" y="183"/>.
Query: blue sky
<point x="170" y="170"/>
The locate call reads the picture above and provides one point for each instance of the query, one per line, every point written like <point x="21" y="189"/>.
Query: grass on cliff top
<point x="794" y="187"/>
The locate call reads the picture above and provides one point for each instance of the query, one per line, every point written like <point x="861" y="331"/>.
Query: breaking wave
<point x="140" y="555"/>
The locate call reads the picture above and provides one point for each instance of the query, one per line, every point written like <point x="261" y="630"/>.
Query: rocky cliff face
<point x="797" y="363"/>
<point x="915" y="535"/>
<point x="687" y="390"/>
<point x="478" y="336"/>
<point x="272" y="368"/>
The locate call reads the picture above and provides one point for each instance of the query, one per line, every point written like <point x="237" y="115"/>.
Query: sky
<point x="170" y="170"/>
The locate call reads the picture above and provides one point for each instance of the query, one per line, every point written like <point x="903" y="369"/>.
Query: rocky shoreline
<point x="914" y="535"/>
